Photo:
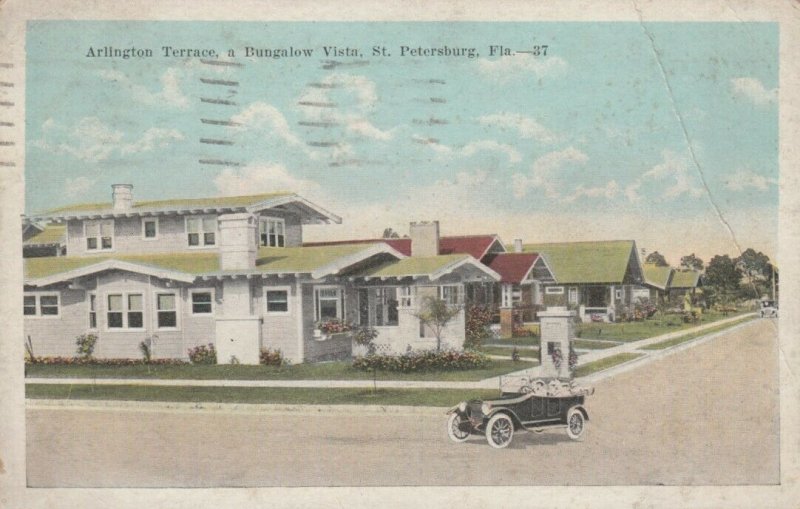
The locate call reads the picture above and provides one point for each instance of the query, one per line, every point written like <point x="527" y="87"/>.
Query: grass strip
<point x="591" y="344"/>
<point x="608" y="362"/>
<point x="265" y="395"/>
<point x="315" y="371"/>
<point x="694" y="335"/>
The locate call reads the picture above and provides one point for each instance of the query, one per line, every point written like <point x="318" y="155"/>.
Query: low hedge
<point x="427" y="360"/>
<point x="91" y="361"/>
<point x="270" y="357"/>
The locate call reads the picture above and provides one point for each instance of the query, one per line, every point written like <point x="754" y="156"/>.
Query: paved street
<point x="706" y="415"/>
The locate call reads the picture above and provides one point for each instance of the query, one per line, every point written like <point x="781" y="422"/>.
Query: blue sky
<point x="666" y="133"/>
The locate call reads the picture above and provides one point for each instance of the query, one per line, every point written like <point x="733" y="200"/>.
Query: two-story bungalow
<point x="231" y="271"/>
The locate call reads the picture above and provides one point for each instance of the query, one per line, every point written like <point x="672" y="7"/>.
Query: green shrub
<point x="270" y="357"/>
<point x="86" y="343"/>
<point x="91" y="361"/>
<point x="203" y="354"/>
<point x="477" y="327"/>
<point x="426" y="360"/>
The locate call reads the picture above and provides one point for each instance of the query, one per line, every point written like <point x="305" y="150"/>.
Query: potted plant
<point x="330" y="328"/>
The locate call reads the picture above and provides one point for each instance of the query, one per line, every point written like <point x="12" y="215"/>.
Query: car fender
<point x="508" y="412"/>
<point x="581" y="409"/>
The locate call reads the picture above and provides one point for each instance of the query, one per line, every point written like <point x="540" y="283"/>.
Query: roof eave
<point x="324" y="214"/>
<point x="353" y="258"/>
<point x="112" y="265"/>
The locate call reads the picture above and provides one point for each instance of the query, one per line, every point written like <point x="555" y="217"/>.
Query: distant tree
<point x="656" y="258"/>
<point x="754" y="265"/>
<point x="436" y="314"/>
<point x="692" y="262"/>
<point x="722" y="274"/>
<point x="389" y="233"/>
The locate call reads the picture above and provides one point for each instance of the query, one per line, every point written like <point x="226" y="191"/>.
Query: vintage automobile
<point x="534" y="405"/>
<point x="769" y="309"/>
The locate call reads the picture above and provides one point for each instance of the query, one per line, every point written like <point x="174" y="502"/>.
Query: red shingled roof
<point x="512" y="267"/>
<point x="473" y="245"/>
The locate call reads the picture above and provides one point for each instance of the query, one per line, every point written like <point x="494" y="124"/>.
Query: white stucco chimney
<point x="237" y="241"/>
<point x="122" y="196"/>
<point x="424" y="238"/>
<point x="517" y="245"/>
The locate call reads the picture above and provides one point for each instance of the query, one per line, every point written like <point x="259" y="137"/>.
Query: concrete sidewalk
<point x="488" y="383"/>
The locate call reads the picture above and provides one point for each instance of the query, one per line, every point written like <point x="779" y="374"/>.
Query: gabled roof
<point x="587" y="262"/>
<point x="657" y="276"/>
<point x="315" y="261"/>
<point x="432" y="267"/>
<point x="50" y="235"/>
<point x="513" y="267"/>
<point x="476" y="246"/>
<point x="685" y="279"/>
<point x="310" y="212"/>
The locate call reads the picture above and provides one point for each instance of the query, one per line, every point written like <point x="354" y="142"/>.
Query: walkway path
<point x="488" y="383"/>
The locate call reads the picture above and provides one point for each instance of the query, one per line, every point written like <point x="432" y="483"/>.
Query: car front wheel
<point x="499" y="431"/>
<point x="576" y="424"/>
<point x="455" y="433"/>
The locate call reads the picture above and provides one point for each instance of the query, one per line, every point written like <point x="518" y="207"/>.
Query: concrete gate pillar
<point x="557" y="332"/>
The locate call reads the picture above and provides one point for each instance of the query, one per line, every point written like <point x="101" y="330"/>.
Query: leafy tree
<point x="754" y="265"/>
<point x="389" y="233"/>
<point x="657" y="258"/>
<point x="692" y="262"/>
<point x="722" y="274"/>
<point x="436" y="314"/>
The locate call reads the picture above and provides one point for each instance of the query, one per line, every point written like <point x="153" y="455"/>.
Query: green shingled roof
<point x="685" y="279"/>
<point x="304" y="259"/>
<point x="52" y="234"/>
<point x="215" y="202"/>
<point x="586" y="262"/>
<point x="656" y="275"/>
<point x="414" y="266"/>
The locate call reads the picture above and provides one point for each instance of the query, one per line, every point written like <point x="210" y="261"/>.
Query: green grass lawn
<point x="505" y="351"/>
<point x="526" y="341"/>
<point x="608" y="362"/>
<point x="315" y="371"/>
<point x="634" y="331"/>
<point x="311" y="396"/>
<point x="688" y="337"/>
<point x="591" y="344"/>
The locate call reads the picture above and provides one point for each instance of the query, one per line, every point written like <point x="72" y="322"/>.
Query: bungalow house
<point x="233" y="272"/>
<point x="597" y="278"/>
<point x="43" y="240"/>
<point x="668" y="284"/>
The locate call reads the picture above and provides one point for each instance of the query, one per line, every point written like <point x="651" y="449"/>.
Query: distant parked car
<point x="539" y="405"/>
<point x="769" y="309"/>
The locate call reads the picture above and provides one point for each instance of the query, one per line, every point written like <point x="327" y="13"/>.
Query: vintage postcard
<point x="353" y="256"/>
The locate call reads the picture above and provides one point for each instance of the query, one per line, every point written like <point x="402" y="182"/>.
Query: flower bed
<point x="428" y="360"/>
<point x="81" y="361"/>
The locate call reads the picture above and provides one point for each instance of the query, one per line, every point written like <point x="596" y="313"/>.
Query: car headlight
<point x="462" y="407"/>
<point x="486" y="408"/>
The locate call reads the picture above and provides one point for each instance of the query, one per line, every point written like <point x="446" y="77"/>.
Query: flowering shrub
<point x="477" y="326"/>
<point x="426" y="360"/>
<point x="91" y="361"/>
<point x="203" y="354"/>
<point x="515" y="354"/>
<point x="520" y="331"/>
<point x="86" y="344"/>
<point x="573" y="358"/>
<point x="270" y="357"/>
<point x="334" y="326"/>
<point x="365" y="335"/>
<point x="557" y="357"/>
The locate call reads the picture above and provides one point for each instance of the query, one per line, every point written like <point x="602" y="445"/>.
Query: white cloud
<point x="632" y="192"/>
<point x="520" y="65"/>
<point x="754" y="90"/>
<point x="747" y="179"/>
<point x="260" y="115"/>
<point x="673" y="168"/>
<point x="608" y="191"/>
<point x="526" y="127"/>
<point x="365" y="128"/>
<point x="543" y="172"/>
<point x="170" y="93"/>
<point x="490" y="145"/>
<point x="260" y="178"/>
<point x="75" y="187"/>
<point x="155" y="137"/>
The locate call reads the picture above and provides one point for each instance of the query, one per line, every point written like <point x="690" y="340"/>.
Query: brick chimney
<point x="424" y="238"/>
<point x="122" y="196"/>
<point x="237" y="241"/>
<point x="517" y="245"/>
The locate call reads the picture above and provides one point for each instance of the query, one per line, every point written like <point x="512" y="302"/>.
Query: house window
<point x="150" y="228"/>
<point x="573" y="295"/>
<point x="328" y="303"/>
<point x="43" y="305"/>
<point x="554" y="290"/>
<point x="167" y="311"/>
<point x="272" y="232"/>
<point x="92" y="311"/>
<point x="277" y="301"/>
<point x="452" y="294"/>
<point x="618" y="294"/>
<point x="201" y="231"/>
<point x="363" y="306"/>
<point x="406" y="298"/>
<point x="385" y="311"/>
<point x="99" y="235"/>
<point x="125" y="311"/>
<point x="202" y="303"/>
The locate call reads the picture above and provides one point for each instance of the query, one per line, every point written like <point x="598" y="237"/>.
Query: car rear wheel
<point x="455" y="433"/>
<point x="499" y="431"/>
<point x="576" y="424"/>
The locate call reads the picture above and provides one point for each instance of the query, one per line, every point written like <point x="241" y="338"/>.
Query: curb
<point x="236" y="408"/>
